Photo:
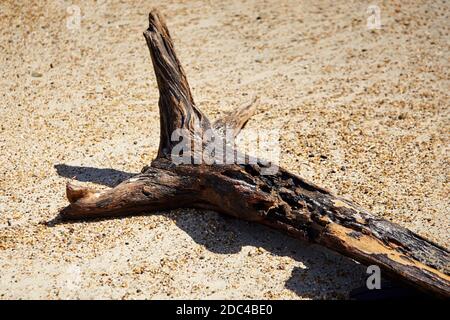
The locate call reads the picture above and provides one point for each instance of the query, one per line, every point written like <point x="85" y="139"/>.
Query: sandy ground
<point x="363" y="112"/>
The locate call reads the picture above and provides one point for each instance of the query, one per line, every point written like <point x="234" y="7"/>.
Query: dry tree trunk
<point x="283" y="200"/>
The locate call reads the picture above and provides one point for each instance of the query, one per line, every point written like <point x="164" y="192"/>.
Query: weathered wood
<point x="235" y="120"/>
<point x="176" y="105"/>
<point x="283" y="200"/>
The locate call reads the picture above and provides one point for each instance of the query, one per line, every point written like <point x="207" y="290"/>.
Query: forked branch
<point x="283" y="200"/>
<point x="236" y="120"/>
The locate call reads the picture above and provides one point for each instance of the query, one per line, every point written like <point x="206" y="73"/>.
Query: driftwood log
<point x="283" y="201"/>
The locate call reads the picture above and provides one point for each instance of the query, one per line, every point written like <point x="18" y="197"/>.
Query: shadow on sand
<point x="326" y="274"/>
<point x="104" y="176"/>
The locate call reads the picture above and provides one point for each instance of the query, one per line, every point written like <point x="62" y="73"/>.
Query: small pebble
<point x="36" y="74"/>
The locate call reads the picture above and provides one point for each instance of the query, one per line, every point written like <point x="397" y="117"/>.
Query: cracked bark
<point x="283" y="201"/>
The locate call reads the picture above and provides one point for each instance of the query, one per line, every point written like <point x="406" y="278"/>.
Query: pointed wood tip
<point x="154" y="15"/>
<point x="155" y="21"/>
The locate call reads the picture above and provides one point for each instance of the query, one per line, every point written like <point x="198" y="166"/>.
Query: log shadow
<point x="104" y="176"/>
<point x="319" y="274"/>
<point x="322" y="274"/>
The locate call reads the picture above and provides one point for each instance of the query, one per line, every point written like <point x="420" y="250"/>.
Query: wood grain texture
<point x="283" y="200"/>
<point x="235" y="120"/>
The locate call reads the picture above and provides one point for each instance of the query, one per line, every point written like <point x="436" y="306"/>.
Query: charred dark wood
<point x="283" y="200"/>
